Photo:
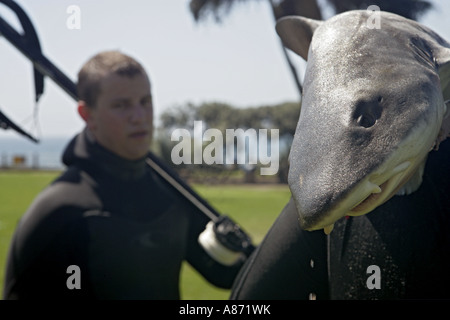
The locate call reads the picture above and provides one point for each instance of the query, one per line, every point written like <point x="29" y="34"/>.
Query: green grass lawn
<point x="254" y="207"/>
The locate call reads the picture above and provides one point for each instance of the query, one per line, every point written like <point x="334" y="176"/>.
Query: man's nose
<point x="138" y="113"/>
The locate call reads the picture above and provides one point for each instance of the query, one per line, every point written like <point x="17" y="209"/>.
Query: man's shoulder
<point x="72" y="192"/>
<point x="73" y="187"/>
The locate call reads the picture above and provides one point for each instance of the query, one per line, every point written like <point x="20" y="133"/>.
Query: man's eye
<point x="120" y="105"/>
<point x="146" y="101"/>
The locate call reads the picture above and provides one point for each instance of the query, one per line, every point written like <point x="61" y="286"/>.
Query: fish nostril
<point x="366" y="120"/>
<point x="367" y="113"/>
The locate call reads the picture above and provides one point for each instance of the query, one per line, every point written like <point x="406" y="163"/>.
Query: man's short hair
<point x="96" y="68"/>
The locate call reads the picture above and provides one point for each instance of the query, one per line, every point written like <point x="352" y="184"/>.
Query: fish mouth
<point x="372" y="201"/>
<point x="373" y="192"/>
<point x="384" y="192"/>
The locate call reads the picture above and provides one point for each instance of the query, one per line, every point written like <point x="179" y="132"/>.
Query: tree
<point x="219" y="8"/>
<point x="223" y="116"/>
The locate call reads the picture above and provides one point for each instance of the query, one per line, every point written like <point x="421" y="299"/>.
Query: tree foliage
<point x="223" y="116"/>
<point x="411" y="9"/>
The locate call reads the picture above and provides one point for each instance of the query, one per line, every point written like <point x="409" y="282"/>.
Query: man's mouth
<point x="139" y="134"/>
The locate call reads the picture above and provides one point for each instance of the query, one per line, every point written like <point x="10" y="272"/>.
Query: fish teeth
<point x="376" y="188"/>
<point x="328" y="229"/>
<point x="401" y="167"/>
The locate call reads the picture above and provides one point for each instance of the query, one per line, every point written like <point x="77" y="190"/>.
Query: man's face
<point x="122" y="120"/>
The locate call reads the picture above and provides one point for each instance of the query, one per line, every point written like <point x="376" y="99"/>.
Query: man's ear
<point x="296" y="33"/>
<point x="84" y="111"/>
<point x="87" y="114"/>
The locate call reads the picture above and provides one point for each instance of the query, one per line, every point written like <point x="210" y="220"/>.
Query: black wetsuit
<point x="407" y="238"/>
<point x="118" y="222"/>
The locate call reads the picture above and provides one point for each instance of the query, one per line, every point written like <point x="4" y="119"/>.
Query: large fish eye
<point x="367" y="113"/>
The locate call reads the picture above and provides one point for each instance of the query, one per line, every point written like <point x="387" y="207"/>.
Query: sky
<point x="239" y="61"/>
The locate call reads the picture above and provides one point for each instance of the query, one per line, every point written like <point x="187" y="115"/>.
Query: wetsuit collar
<point x="85" y="152"/>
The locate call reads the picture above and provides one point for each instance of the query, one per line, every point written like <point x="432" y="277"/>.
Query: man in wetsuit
<point x="109" y="227"/>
